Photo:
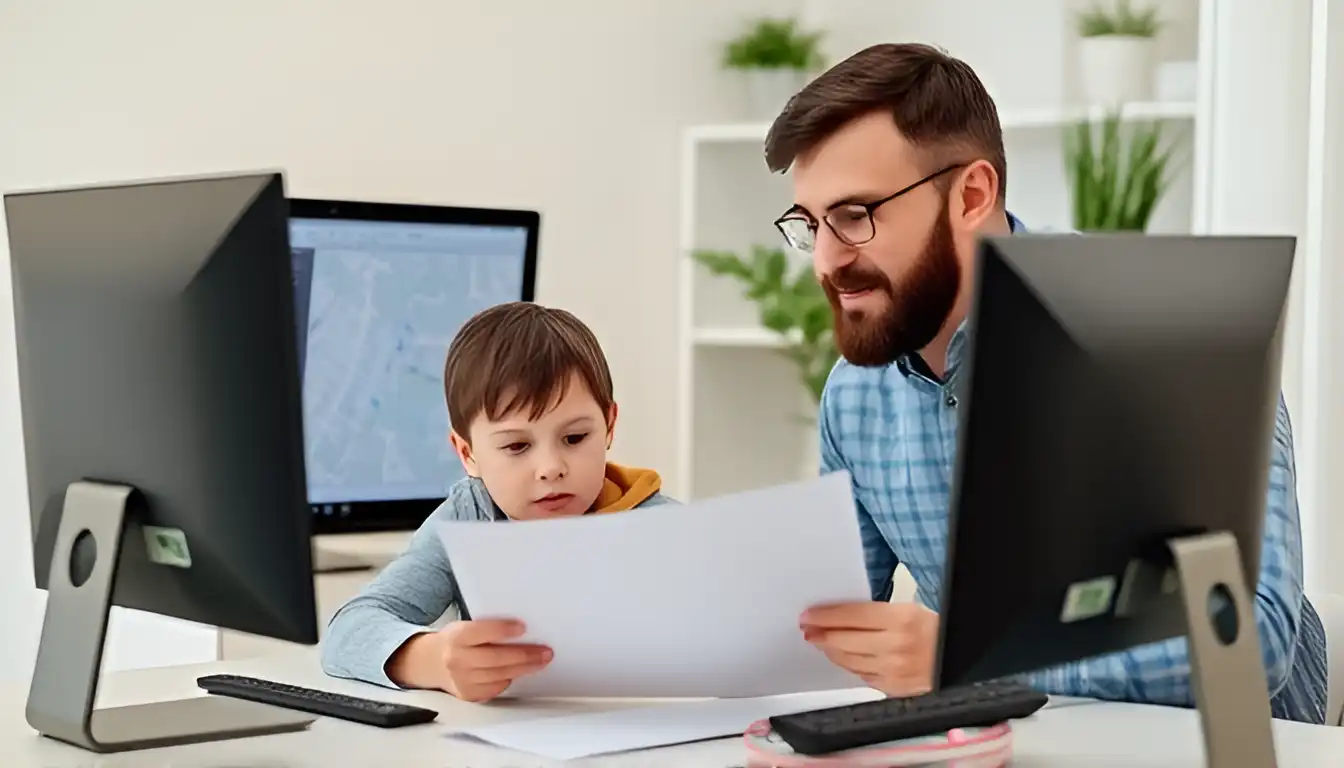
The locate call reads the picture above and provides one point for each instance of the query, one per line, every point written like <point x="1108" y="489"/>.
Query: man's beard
<point x="919" y="305"/>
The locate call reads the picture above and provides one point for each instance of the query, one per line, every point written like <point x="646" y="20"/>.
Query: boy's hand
<point x="476" y="663"/>
<point x="468" y="659"/>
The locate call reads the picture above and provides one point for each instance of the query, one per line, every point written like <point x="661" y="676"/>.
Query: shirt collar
<point x="913" y="363"/>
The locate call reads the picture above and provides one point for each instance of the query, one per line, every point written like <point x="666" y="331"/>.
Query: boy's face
<point x="551" y="467"/>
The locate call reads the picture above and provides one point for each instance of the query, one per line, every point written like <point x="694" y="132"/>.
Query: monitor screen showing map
<point x="380" y="292"/>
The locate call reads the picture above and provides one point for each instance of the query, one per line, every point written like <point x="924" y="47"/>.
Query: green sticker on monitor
<point x="167" y="546"/>
<point x="1088" y="599"/>
<point x="1171" y="582"/>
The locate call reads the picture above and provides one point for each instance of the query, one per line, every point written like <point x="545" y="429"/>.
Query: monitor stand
<point x="331" y="561"/>
<point x="61" y="701"/>
<point x="1226" y="668"/>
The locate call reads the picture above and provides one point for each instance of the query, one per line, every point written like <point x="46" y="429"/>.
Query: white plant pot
<point x="1113" y="69"/>
<point x="768" y="90"/>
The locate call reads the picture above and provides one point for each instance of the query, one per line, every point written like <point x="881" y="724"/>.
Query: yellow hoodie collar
<point x="626" y="488"/>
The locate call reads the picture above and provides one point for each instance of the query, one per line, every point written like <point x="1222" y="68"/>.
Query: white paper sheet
<point x="569" y="737"/>
<point x="697" y="600"/>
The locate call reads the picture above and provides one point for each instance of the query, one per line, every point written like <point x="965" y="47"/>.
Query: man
<point x="898" y="165"/>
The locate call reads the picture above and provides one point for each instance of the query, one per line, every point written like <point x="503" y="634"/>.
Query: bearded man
<point x="897" y="162"/>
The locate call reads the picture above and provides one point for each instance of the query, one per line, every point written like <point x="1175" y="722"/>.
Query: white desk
<point x="1070" y="735"/>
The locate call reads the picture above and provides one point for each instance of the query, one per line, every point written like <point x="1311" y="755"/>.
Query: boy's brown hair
<point x="520" y="355"/>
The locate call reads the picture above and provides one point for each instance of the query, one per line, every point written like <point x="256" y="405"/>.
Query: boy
<point x="532" y="412"/>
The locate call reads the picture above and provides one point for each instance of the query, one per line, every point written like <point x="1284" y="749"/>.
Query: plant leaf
<point x="775" y="43"/>
<point x="723" y="263"/>
<point x="790" y="304"/>
<point x="1117" y="172"/>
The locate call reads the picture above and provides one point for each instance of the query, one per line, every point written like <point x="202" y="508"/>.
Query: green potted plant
<point x="775" y="57"/>
<point x="1115" y="52"/>
<point x="1117" y="173"/>
<point x="790" y="304"/>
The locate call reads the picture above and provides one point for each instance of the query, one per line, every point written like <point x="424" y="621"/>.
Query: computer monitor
<point x="381" y="289"/>
<point x="163" y="435"/>
<point x="1116" y="429"/>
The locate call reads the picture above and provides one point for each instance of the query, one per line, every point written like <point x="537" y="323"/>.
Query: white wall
<point x="1258" y="151"/>
<point x="1260" y="172"/>
<point x="572" y="107"/>
<point x="1319" y="436"/>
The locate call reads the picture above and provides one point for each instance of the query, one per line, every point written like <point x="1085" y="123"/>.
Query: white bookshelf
<point x="744" y="337"/>
<point x="740" y="402"/>
<point x="1011" y="120"/>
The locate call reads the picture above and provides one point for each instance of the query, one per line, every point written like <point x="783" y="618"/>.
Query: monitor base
<point x="1227" y="670"/>
<point x="74" y="631"/>
<point x="174" y="723"/>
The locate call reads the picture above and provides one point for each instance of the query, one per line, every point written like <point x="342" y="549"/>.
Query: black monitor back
<point x="1119" y="390"/>
<point x="156" y="348"/>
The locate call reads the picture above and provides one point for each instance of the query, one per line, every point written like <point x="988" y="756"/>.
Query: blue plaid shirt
<point x="894" y="429"/>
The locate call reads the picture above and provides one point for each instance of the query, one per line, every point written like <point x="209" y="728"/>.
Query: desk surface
<point x="1068" y="734"/>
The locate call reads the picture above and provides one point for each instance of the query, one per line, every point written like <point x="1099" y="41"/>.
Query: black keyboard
<point x="836" y="729"/>
<point x="367" y="711"/>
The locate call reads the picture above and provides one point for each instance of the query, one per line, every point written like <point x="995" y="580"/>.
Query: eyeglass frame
<point x="798" y="214"/>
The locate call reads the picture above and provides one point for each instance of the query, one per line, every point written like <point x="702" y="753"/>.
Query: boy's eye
<point x="515" y="447"/>
<point x="575" y="439"/>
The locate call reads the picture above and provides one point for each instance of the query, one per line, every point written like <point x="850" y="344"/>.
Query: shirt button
<point x="951" y="401"/>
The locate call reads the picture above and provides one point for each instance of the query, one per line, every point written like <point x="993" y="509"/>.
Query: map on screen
<point x="377" y="305"/>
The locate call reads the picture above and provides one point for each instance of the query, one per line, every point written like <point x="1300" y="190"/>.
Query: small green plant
<point x="791" y="305"/>
<point x="1123" y="21"/>
<point x="1116" y="180"/>
<point x="774" y="44"/>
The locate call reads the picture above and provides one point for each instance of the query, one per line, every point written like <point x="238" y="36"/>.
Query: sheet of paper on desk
<point x="698" y="600"/>
<point x="569" y="737"/>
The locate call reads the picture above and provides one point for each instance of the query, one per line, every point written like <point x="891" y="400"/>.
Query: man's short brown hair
<point x="938" y="103"/>
<point x="520" y="356"/>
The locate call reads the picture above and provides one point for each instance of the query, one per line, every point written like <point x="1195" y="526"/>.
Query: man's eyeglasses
<point x="852" y="223"/>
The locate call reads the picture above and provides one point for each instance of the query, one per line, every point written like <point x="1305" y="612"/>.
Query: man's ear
<point x="611" y="425"/>
<point x="463" y="450"/>
<point x="976" y="195"/>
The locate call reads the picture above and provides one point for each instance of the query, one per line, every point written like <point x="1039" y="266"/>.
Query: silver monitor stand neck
<point x="1227" y="672"/>
<point x="61" y="700"/>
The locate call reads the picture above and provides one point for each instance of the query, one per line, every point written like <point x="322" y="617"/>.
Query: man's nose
<point x="830" y="253"/>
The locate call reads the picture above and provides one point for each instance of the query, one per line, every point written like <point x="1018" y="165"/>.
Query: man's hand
<point x="891" y="646"/>
<point x="471" y="660"/>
